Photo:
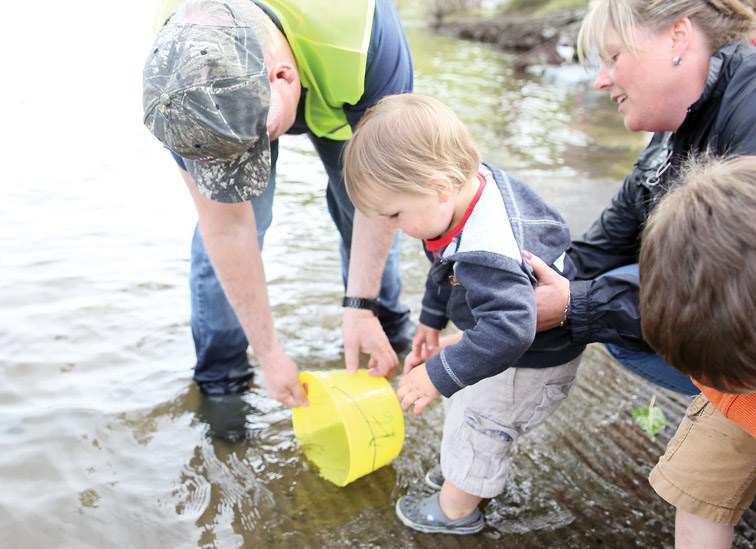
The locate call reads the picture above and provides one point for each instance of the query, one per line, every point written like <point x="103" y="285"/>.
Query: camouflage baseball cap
<point x="206" y="96"/>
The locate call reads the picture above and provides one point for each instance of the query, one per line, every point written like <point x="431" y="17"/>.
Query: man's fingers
<point x="300" y="396"/>
<point x="294" y="397"/>
<point x="386" y="361"/>
<point x="352" y="358"/>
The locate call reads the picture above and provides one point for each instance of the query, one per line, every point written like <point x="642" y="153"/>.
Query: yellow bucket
<point x="353" y="425"/>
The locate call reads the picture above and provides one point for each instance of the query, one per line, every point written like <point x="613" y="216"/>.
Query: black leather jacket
<point x="723" y="122"/>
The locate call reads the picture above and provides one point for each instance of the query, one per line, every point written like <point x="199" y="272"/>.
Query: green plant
<point x="650" y="419"/>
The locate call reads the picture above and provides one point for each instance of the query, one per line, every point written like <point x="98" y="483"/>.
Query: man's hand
<point x="230" y="235"/>
<point x="551" y="292"/>
<point x="362" y="332"/>
<point x="282" y="379"/>
<point x="416" y="388"/>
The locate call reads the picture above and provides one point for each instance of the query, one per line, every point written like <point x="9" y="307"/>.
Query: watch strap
<point x="361" y="303"/>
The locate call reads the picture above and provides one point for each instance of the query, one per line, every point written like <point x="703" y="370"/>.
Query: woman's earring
<point x="676" y="60"/>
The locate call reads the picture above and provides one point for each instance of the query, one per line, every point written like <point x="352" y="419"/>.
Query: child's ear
<point x="446" y="193"/>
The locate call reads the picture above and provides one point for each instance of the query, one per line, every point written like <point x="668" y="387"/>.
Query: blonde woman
<point x="686" y="70"/>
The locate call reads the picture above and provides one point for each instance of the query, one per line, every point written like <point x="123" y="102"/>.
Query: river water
<point x="103" y="441"/>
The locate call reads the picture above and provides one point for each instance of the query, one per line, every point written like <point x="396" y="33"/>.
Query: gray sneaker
<point x="435" y="478"/>
<point x="425" y="515"/>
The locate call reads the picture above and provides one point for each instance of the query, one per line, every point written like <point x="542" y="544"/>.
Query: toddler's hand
<point x="424" y="346"/>
<point x="412" y="360"/>
<point x="416" y="388"/>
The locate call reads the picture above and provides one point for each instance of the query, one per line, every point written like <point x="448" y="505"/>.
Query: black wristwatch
<point x="361" y="303"/>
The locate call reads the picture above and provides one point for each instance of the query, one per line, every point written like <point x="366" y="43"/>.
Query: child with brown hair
<point x="413" y="162"/>
<point x="698" y="300"/>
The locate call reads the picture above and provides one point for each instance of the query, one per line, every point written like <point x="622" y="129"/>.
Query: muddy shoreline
<point x="518" y="33"/>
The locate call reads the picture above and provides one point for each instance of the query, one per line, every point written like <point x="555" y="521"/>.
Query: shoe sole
<point x="428" y="529"/>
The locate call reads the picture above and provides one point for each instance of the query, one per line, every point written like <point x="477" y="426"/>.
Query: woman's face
<point x="644" y="84"/>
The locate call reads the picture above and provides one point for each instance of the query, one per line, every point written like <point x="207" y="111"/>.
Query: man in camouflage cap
<point x="207" y="98"/>
<point x="223" y="81"/>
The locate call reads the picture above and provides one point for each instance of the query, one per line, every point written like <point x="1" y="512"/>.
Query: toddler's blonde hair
<point x="407" y="143"/>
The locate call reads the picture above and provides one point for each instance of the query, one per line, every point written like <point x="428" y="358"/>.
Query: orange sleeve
<point x="740" y="408"/>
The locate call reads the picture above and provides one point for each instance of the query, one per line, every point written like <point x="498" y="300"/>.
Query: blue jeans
<point x="220" y="343"/>
<point x="650" y="366"/>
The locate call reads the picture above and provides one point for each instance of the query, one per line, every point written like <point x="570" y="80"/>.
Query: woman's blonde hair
<point x="722" y="21"/>
<point x="407" y="143"/>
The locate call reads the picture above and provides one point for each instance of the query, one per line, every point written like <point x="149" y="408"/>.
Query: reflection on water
<point x="105" y="442"/>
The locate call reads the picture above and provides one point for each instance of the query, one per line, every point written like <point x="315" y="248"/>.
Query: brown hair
<point x="698" y="274"/>
<point x="722" y="21"/>
<point x="407" y="143"/>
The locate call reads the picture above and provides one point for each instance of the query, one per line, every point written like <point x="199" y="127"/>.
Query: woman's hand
<point x="552" y="293"/>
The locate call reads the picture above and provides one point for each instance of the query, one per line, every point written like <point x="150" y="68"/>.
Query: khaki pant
<point x="484" y="420"/>
<point x="709" y="468"/>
